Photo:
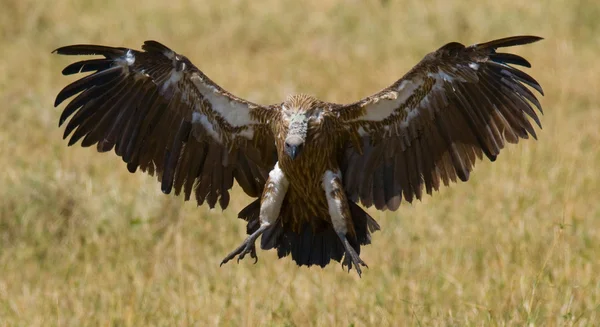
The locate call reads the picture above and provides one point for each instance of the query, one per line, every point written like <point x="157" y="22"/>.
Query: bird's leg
<point x="247" y="246"/>
<point x="351" y="257"/>
<point x="270" y="206"/>
<point x="341" y="218"/>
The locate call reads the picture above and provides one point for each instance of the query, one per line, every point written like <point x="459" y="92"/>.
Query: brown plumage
<point x="307" y="162"/>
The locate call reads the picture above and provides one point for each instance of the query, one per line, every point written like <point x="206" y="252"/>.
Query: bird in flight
<point x="307" y="162"/>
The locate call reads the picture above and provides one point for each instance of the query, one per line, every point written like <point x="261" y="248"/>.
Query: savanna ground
<point x="85" y="243"/>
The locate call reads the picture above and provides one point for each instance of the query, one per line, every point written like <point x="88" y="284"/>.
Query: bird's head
<point x="297" y="109"/>
<point x="296" y="136"/>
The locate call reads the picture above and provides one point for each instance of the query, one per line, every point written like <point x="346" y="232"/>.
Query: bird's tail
<point x="311" y="245"/>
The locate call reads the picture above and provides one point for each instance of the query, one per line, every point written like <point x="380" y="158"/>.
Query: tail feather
<point x="312" y="245"/>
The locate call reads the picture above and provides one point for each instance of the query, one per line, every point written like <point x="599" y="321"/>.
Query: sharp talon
<point x="253" y="255"/>
<point x="242" y="251"/>
<point x="351" y="258"/>
<point x="246" y="247"/>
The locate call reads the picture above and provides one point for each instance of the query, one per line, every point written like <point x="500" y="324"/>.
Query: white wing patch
<point x="200" y="118"/>
<point x="129" y="58"/>
<point x="248" y="133"/>
<point x="235" y="113"/>
<point x="126" y="61"/>
<point x="443" y="76"/>
<point x="174" y="78"/>
<point x="411" y="113"/>
<point x="382" y="107"/>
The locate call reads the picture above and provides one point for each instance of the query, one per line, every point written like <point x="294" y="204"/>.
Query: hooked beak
<point x="293" y="150"/>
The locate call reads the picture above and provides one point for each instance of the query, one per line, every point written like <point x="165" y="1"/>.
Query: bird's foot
<point x="351" y="257"/>
<point x="241" y="251"/>
<point x="247" y="247"/>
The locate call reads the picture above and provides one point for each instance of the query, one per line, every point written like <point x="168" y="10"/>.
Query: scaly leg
<point x="270" y="205"/>
<point x="341" y="218"/>
<point x="246" y="247"/>
<point x="351" y="257"/>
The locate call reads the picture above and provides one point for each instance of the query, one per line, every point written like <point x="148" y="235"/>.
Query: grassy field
<point x="85" y="243"/>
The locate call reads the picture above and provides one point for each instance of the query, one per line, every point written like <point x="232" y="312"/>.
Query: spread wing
<point x="454" y="106"/>
<point x="163" y="115"/>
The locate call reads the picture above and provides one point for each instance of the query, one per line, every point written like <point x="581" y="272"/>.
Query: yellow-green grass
<point x="83" y="242"/>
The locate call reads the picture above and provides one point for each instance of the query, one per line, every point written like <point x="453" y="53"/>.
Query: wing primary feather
<point x="524" y="92"/>
<point x="183" y="167"/>
<point x="148" y="102"/>
<point x="203" y="189"/>
<point x="470" y="95"/>
<point x="509" y="58"/>
<point x="137" y="108"/>
<point x="427" y="161"/>
<point x="90" y="49"/>
<point x="366" y="192"/>
<point x="413" y="173"/>
<point x="508" y="42"/>
<point x="90" y="95"/>
<point x="85" y="115"/>
<point x="371" y="162"/>
<point x="196" y="166"/>
<point x="524" y="108"/>
<point x="474" y="122"/>
<point x="161" y="137"/>
<point x="98" y="78"/>
<point x="113" y="128"/>
<point x="419" y="163"/>
<point x="459" y="166"/>
<point x="519" y="75"/>
<point x="227" y="183"/>
<point x="508" y="103"/>
<point x="260" y="175"/>
<point x="520" y="99"/>
<point x="496" y="116"/>
<point x="110" y="122"/>
<point x="243" y="175"/>
<point x="400" y="171"/>
<point x="351" y="175"/>
<point x="378" y="188"/>
<point x="508" y="132"/>
<point x="87" y="65"/>
<point x="446" y="169"/>
<point x="515" y="119"/>
<point x="173" y="156"/>
<point x="143" y="144"/>
<point x="388" y="182"/>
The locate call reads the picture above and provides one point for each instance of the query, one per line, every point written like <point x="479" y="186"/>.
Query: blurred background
<point x="83" y="242"/>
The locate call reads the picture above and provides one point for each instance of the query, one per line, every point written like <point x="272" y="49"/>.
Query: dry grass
<point x="83" y="242"/>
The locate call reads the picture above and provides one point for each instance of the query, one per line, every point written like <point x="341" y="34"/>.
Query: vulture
<point x="307" y="163"/>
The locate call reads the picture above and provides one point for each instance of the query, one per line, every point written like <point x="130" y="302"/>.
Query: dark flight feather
<point x="142" y="104"/>
<point x="479" y="102"/>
